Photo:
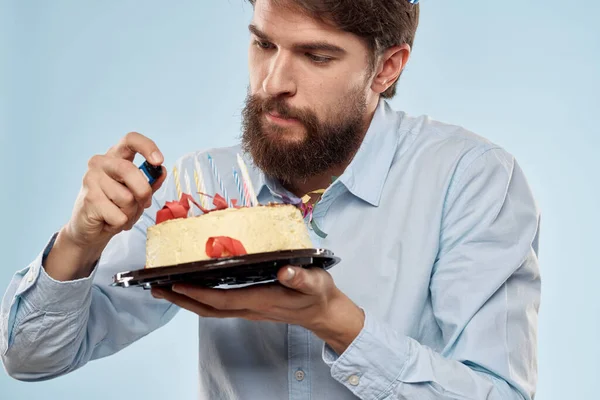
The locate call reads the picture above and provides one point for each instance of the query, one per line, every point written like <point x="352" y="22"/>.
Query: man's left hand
<point x="304" y="297"/>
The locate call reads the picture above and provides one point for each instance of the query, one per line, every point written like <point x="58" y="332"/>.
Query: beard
<point x="324" y="144"/>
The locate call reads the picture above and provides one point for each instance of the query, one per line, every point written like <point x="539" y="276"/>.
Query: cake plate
<point x="238" y="270"/>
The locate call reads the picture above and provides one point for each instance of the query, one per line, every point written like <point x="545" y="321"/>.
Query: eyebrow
<point x="309" y="46"/>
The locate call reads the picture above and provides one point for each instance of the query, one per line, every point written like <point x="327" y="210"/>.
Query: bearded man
<point x="438" y="290"/>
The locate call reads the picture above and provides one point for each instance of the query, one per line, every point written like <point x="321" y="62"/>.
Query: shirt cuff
<point x="47" y="294"/>
<point x="373" y="362"/>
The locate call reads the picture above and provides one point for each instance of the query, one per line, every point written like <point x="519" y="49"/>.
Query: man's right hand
<point x="113" y="196"/>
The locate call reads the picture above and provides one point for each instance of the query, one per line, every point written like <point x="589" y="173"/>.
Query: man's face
<point x="307" y="101"/>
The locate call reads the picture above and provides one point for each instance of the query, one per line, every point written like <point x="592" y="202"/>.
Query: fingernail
<point x="157" y="293"/>
<point x="156" y="157"/>
<point x="177" y="289"/>
<point x="290" y="273"/>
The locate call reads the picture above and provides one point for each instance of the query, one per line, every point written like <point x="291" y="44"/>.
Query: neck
<point x="301" y="187"/>
<point x="321" y="181"/>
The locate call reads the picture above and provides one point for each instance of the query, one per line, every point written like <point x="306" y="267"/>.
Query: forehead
<point x="285" y="22"/>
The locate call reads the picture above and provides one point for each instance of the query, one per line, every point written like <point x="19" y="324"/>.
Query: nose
<point x="279" y="80"/>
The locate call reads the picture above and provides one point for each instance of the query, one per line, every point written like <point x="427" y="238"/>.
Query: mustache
<point x="278" y="105"/>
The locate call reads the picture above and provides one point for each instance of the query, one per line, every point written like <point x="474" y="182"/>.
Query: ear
<point x="389" y="67"/>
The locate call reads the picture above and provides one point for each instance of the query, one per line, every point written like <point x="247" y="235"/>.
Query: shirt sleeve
<point x="485" y="290"/>
<point x="49" y="328"/>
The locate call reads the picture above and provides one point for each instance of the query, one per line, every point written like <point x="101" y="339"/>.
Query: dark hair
<point x="380" y="23"/>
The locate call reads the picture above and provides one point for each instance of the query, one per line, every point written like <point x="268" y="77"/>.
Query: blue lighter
<point x="151" y="171"/>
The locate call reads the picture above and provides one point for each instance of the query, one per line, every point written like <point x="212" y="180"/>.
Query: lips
<point x="277" y="115"/>
<point x="277" y="118"/>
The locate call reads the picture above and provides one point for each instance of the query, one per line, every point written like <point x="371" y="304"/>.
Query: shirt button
<point x="299" y="375"/>
<point x="354" y="380"/>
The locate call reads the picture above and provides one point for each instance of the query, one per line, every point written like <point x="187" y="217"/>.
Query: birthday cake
<point x="222" y="232"/>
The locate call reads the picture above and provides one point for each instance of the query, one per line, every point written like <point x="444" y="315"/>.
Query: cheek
<point x="320" y="93"/>
<point x="327" y="98"/>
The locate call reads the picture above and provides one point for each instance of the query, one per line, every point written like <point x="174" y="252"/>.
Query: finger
<point x="220" y="299"/>
<point x="139" y="209"/>
<point x="311" y="281"/>
<point x="199" y="308"/>
<point x="124" y="199"/>
<point x="158" y="182"/>
<point x="118" y="194"/>
<point x="270" y="299"/>
<point x="129" y="175"/>
<point x="134" y="143"/>
<point x="106" y="211"/>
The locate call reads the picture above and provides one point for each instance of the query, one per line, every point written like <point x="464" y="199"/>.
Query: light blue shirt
<point x="437" y="230"/>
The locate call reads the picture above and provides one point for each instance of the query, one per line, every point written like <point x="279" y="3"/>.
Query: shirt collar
<point x="366" y="174"/>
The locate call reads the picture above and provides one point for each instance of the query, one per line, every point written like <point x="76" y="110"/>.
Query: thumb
<point x="308" y="281"/>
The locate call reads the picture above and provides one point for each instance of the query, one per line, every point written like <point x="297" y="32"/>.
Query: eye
<point x="318" y="59"/>
<point x="263" y="44"/>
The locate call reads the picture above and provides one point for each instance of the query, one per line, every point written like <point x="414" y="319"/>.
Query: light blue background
<point x="77" y="75"/>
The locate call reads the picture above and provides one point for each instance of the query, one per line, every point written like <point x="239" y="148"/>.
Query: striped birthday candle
<point x="247" y="183"/>
<point x="213" y="166"/>
<point x="177" y="183"/>
<point x="199" y="179"/>
<point x="188" y="188"/>
<point x="238" y="184"/>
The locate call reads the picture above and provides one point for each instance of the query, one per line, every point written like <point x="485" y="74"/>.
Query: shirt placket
<point x="299" y="374"/>
<point x="299" y="338"/>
